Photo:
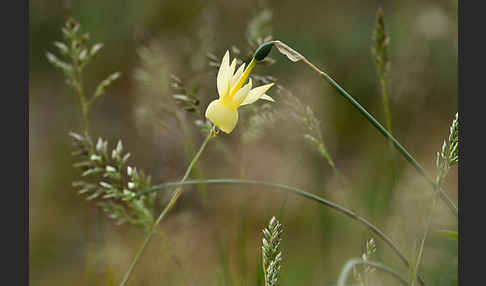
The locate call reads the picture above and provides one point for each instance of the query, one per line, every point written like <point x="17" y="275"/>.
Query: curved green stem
<point x="301" y="193"/>
<point x="353" y="262"/>
<point x="387" y="134"/>
<point x="175" y="196"/>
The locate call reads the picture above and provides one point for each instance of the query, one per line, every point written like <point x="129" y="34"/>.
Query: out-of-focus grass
<point x="218" y="241"/>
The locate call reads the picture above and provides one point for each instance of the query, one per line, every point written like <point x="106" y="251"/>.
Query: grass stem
<point x="348" y="267"/>
<point x="387" y="134"/>
<point x="301" y="193"/>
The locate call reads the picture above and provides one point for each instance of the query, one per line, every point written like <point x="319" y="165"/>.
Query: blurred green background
<point x="213" y="237"/>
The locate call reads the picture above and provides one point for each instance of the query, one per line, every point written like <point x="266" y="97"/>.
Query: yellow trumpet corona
<point x="223" y="112"/>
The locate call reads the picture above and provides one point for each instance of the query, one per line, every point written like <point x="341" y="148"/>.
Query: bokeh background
<point x="213" y="236"/>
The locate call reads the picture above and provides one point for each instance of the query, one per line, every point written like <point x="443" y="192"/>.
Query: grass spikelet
<point x="107" y="179"/>
<point x="380" y="54"/>
<point x="311" y="126"/>
<point x="78" y="54"/>
<point x="361" y="274"/>
<point x="271" y="254"/>
<point x="448" y="155"/>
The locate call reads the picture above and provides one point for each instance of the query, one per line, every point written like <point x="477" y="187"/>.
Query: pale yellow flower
<point x="223" y="112"/>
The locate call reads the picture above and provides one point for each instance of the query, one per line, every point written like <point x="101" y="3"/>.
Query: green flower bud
<point x="262" y="51"/>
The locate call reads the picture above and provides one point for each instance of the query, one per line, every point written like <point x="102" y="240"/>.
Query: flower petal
<point x="257" y="93"/>
<point x="228" y="74"/>
<point x="237" y="75"/>
<point x="231" y="70"/>
<point x="222" y="81"/>
<point x="266" y="97"/>
<point x="242" y="94"/>
<point x="222" y="116"/>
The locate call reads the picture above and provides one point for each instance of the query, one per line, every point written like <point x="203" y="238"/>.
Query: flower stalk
<point x="175" y="196"/>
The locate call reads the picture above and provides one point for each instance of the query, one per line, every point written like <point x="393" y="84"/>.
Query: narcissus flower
<point x="223" y="112"/>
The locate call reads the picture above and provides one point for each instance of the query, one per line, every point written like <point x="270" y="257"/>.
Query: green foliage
<point x="116" y="186"/>
<point x="108" y="179"/>
<point x="271" y="254"/>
